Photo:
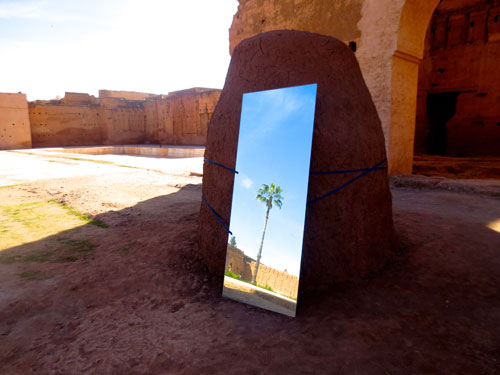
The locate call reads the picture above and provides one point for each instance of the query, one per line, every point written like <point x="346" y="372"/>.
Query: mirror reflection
<point x="269" y="198"/>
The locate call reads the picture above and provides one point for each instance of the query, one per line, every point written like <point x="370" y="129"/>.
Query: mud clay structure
<point x="14" y="122"/>
<point x="448" y="50"/>
<point x="347" y="234"/>
<point x="114" y="118"/>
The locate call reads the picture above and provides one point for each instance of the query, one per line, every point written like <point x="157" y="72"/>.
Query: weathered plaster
<point x="337" y="19"/>
<point x="14" y="122"/>
<point x="390" y="38"/>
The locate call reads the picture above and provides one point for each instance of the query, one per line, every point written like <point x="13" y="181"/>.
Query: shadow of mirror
<point x="269" y="198"/>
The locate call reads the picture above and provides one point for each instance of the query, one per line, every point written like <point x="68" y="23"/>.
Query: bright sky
<point x="274" y="146"/>
<point x="48" y="47"/>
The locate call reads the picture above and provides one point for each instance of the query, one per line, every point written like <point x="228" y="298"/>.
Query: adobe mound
<point x="348" y="234"/>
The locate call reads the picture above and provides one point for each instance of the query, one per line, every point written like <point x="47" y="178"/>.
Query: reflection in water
<point x="274" y="150"/>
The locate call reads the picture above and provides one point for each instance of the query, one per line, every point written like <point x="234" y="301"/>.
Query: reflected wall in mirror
<point x="269" y="198"/>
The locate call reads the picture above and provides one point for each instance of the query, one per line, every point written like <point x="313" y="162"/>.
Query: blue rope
<point x="365" y="172"/>
<point x="216" y="215"/>
<point x="220" y="165"/>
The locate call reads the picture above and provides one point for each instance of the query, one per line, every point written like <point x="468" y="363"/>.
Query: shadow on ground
<point x="153" y="309"/>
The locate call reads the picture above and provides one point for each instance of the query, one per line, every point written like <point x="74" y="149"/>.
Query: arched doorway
<point x="459" y="81"/>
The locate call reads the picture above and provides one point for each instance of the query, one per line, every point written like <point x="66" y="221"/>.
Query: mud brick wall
<point x="122" y="121"/>
<point x="181" y="117"/>
<point x="279" y="281"/>
<point x="461" y="56"/>
<point x="127" y="95"/>
<point x="14" y="122"/>
<point x="72" y="121"/>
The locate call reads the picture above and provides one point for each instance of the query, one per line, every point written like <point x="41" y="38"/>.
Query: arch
<point x="414" y="20"/>
<point x="389" y="35"/>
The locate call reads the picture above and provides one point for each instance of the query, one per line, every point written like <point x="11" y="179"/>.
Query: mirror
<point x="269" y="198"/>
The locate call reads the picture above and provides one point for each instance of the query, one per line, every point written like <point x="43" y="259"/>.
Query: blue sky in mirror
<point x="274" y="146"/>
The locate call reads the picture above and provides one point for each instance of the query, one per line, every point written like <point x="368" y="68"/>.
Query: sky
<point x="274" y="146"/>
<point x="48" y="47"/>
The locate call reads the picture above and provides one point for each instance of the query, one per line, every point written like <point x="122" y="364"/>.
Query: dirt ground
<point x="139" y="301"/>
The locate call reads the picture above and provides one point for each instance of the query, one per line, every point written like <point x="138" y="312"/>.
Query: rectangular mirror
<point x="269" y="198"/>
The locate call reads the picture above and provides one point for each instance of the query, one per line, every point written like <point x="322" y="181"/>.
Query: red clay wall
<point x="279" y="281"/>
<point x="72" y="121"/>
<point x="123" y="121"/>
<point x="14" y="122"/>
<point x="181" y="117"/>
<point x="127" y="95"/>
<point x="462" y="56"/>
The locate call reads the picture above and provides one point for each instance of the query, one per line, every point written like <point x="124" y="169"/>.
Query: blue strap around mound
<point x="220" y="165"/>
<point x="364" y="170"/>
<point x="216" y="215"/>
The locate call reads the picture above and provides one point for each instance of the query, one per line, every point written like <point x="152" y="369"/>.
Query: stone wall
<point x="179" y="118"/>
<point x="279" y="281"/>
<point x="14" y="122"/>
<point x="461" y="62"/>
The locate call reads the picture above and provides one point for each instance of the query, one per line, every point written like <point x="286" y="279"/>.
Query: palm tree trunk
<point x="257" y="264"/>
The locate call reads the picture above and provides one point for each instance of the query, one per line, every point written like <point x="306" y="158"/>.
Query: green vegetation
<point x="9" y="186"/>
<point x="69" y="258"/>
<point x="34" y="275"/>
<point x="62" y="250"/>
<point x="232" y="241"/>
<point x="74" y="158"/>
<point x="37" y="232"/>
<point x="39" y="256"/>
<point x="101" y="162"/>
<point x="77" y="246"/>
<point x="230" y="273"/>
<point x="92" y="160"/>
<point x="267" y="194"/>
<point x="124" y="250"/>
<point x="267" y="287"/>
<point x="78" y="214"/>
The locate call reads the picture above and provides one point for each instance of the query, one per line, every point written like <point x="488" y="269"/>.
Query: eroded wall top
<point x="335" y="18"/>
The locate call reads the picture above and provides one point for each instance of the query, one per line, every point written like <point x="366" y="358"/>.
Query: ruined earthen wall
<point x="462" y="56"/>
<point x="14" y="122"/>
<point x="56" y="124"/>
<point x="336" y="18"/>
<point x="127" y="95"/>
<point x="181" y="117"/>
<point x="279" y="281"/>
<point x="122" y="121"/>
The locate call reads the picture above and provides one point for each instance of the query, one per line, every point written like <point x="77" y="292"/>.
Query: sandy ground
<point x="434" y="309"/>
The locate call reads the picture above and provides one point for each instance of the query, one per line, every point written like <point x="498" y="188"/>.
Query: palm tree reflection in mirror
<point x="269" y="195"/>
